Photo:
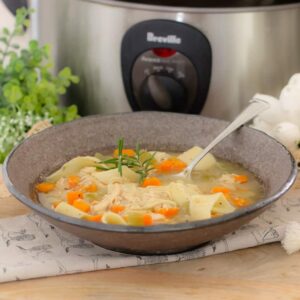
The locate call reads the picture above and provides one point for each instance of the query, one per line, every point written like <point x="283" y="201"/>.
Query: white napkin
<point x="30" y="247"/>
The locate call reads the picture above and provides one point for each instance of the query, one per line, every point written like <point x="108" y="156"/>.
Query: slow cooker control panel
<point x="164" y="79"/>
<point x="166" y="66"/>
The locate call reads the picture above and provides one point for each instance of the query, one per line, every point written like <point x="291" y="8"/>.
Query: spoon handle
<point x="255" y="107"/>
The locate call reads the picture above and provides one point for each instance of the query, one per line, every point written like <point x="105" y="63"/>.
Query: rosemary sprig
<point x="138" y="163"/>
<point x="143" y="166"/>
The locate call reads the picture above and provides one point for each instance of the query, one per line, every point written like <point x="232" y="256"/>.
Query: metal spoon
<point x="255" y="107"/>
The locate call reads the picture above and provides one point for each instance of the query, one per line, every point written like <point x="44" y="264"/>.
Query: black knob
<point x="164" y="93"/>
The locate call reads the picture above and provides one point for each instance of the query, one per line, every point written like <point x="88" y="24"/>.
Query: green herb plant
<point x="29" y="92"/>
<point x="141" y="163"/>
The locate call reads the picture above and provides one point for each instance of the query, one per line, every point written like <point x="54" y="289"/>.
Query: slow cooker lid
<point x="213" y="3"/>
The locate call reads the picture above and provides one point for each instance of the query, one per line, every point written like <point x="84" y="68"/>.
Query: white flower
<point x="282" y="119"/>
<point x="287" y="133"/>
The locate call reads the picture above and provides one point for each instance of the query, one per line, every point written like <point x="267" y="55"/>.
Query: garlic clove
<point x="287" y="133"/>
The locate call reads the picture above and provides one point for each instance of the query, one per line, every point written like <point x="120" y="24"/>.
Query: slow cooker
<point x="202" y="57"/>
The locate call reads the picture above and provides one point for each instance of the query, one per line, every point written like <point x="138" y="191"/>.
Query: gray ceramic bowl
<point x="46" y="151"/>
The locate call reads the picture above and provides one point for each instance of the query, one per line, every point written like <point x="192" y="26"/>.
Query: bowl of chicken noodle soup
<point x="109" y="179"/>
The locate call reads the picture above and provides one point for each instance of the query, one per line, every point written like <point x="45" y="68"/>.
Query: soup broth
<point x="136" y="188"/>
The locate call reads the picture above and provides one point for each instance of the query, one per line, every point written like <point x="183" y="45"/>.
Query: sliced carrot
<point x="91" y="188"/>
<point x="45" y="187"/>
<point x="117" y="208"/>
<point x="241" y="202"/>
<point x="94" y="218"/>
<point x="82" y="205"/>
<point x="73" y="181"/>
<point x="171" y="165"/>
<point x="73" y="195"/>
<point x="147" y="220"/>
<point x="153" y="181"/>
<point x="128" y="152"/>
<point x="241" y="178"/>
<point x="171" y="212"/>
<point x="220" y="189"/>
<point x="167" y="212"/>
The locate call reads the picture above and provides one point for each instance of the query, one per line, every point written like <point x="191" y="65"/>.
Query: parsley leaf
<point x="29" y="92"/>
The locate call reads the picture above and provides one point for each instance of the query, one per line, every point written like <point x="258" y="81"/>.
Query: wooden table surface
<point x="264" y="272"/>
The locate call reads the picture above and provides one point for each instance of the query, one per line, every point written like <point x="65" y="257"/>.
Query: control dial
<point x="166" y="65"/>
<point x="164" y="93"/>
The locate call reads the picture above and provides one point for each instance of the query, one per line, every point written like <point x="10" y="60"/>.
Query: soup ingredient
<point x="220" y="189"/>
<point x="91" y="188"/>
<point x="154" y="181"/>
<point x="117" y="208"/>
<point x="141" y="162"/>
<point x="73" y="181"/>
<point x="127" y="152"/>
<point x="28" y="91"/>
<point x="240" y="202"/>
<point x="241" y="178"/>
<point x="181" y="192"/>
<point x="201" y="206"/>
<point x="147" y="220"/>
<point x="95" y="218"/>
<point x="72" y="167"/>
<point x="171" y="165"/>
<point x="113" y="218"/>
<point x="206" y="162"/>
<point x="69" y="210"/>
<point x="82" y="205"/>
<point x="72" y="196"/>
<point x="115" y="194"/>
<point x="167" y="212"/>
<point x="45" y="187"/>
<point x="113" y="175"/>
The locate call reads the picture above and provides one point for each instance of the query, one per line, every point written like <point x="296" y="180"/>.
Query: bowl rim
<point x="160" y="228"/>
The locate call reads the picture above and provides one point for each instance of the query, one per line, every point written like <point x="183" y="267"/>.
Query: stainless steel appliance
<point x="203" y="57"/>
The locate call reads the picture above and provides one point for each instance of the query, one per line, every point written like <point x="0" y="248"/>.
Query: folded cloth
<point x="30" y="247"/>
